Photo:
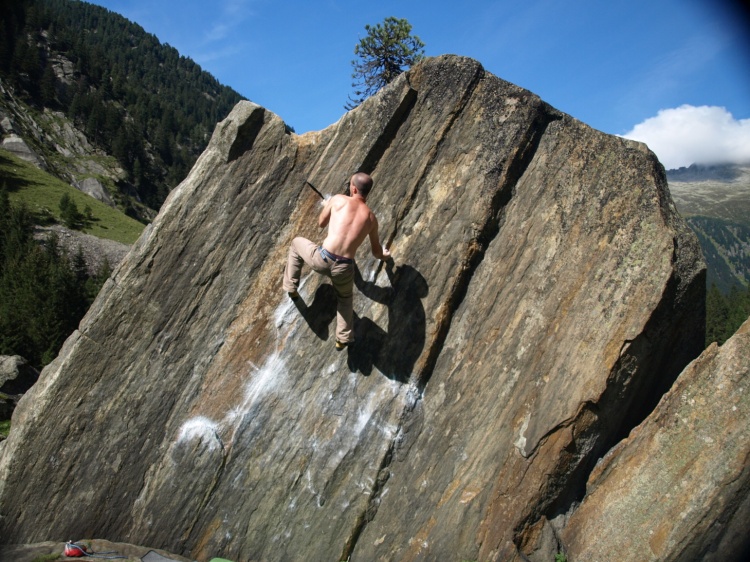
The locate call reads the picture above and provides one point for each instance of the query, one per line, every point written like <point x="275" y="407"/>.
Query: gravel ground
<point x="105" y="549"/>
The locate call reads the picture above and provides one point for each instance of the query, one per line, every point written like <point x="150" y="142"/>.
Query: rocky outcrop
<point x="86" y="164"/>
<point x="679" y="487"/>
<point x="94" y="188"/>
<point x="96" y="251"/>
<point x="18" y="128"/>
<point x="18" y="147"/>
<point x="545" y="294"/>
<point x="16" y="375"/>
<point x="50" y="141"/>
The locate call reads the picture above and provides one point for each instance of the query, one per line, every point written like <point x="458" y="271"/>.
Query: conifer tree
<point x="388" y="50"/>
<point x="44" y="292"/>
<point x="717" y="314"/>
<point x="47" y="87"/>
<point x="68" y="211"/>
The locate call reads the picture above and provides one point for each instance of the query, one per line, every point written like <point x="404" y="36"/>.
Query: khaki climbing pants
<point x="341" y="274"/>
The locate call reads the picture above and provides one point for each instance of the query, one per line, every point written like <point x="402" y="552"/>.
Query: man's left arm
<point x="378" y="250"/>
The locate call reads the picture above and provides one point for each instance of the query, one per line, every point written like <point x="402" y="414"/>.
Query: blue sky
<point x="672" y="73"/>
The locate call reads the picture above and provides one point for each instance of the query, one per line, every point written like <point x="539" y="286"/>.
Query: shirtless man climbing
<point x="349" y="222"/>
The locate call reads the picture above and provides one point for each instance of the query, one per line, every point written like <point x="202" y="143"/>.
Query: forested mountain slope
<point x="94" y="100"/>
<point x="133" y="98"/>
<point x="715" y="200"/>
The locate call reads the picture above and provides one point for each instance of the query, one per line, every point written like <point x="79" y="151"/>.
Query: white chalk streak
<point x="199" y="428"/>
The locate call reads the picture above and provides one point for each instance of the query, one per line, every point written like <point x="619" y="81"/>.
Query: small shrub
<point x="4" y="428"/>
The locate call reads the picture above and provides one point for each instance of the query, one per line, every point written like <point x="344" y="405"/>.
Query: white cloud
<point x="231" y="16"/>
<point x="206" y="57"/>
<point x="695" y="135"/>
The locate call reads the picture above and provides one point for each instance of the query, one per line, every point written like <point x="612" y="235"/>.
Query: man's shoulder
<point x="338" y="201"/>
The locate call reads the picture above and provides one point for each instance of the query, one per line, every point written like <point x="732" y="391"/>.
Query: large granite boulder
<point x="545" y="294"/>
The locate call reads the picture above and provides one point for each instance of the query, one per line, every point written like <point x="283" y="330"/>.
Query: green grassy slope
<point x="42" y="192"/>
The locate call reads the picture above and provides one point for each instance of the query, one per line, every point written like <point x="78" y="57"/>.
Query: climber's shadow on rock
<point x="321" y="311"/>
<point x="393" y="351"/>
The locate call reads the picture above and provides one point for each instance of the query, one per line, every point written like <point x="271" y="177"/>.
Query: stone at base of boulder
<point x="540" y="543"/>
<point x="679" y="483"/>
<point x="16" y="375"/>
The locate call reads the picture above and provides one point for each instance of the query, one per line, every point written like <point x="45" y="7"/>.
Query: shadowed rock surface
<point x="545" y="295"/>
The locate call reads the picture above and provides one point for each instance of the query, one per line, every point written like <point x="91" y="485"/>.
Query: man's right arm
<point x="325" y="214"/>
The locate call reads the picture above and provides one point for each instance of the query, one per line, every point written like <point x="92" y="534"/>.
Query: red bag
<point x="74" y="550"/>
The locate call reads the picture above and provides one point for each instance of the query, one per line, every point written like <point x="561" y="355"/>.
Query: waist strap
<point x="333" y="257"/>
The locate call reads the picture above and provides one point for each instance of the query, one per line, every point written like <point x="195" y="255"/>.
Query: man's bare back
<point x="350" y="221"/>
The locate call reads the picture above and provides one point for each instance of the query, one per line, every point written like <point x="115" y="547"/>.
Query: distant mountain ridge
<point x="715" y="200"/>
<point x="713" y="172"/>
<point x="721" y="192"/>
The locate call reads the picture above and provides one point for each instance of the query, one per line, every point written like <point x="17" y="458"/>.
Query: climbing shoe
<point x="294" y="295"/>
<point x="340" y="345"/>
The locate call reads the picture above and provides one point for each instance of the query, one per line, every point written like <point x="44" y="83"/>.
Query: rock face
<point x="681" y="475"/>
<point x="545" y="295"/>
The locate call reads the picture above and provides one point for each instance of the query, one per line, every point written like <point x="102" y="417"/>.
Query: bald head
<point x="363" y="183"/>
